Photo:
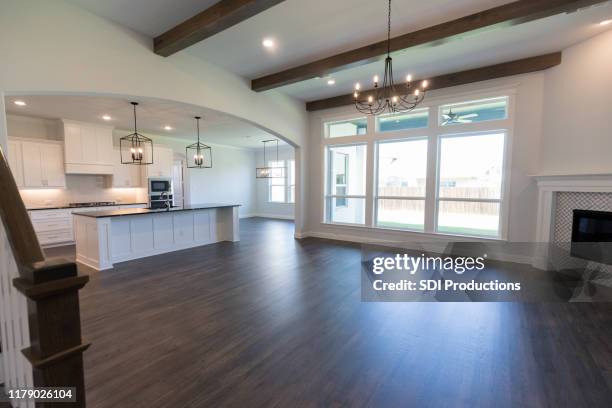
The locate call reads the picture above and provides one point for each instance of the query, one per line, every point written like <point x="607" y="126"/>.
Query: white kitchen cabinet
<point x="125" y="175"/>
<point x="53" y="227"/>
<point x="15" y="161"/>
<point x="43" y="164"/>
<point x="89" y="148"/>
<point x="162" y="163"/>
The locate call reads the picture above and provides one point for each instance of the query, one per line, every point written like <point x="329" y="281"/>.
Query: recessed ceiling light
<point x="331" y="81"/>
<point x="167" y="127"/>
<point x="605" y="22"/>
<point x="268" y="43"/>
<point x="106" y="117"/>
<point x="20" y="103"/>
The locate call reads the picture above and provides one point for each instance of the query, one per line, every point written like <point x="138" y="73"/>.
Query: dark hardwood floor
<point x="272" y="321"/>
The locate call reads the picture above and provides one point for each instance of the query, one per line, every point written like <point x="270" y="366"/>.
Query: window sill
<point x="437" y="235"/>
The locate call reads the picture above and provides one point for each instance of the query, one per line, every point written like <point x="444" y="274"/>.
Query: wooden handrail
<point x="52" y="291"/>
<point x="17" y="224"/>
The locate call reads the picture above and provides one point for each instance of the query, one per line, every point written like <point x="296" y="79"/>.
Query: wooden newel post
<point x="51" y="288"/>
<point x="56" y="350"/>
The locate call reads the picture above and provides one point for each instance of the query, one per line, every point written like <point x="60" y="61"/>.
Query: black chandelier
<point x="389" y="97"/>
<point x="136" y="148"/>
<point x="199" y="155"/>
<point x="270" y="171"/>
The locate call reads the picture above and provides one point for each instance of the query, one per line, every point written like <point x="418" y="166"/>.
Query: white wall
<point x="265" y="208"/>
<point x="578" y="110"/>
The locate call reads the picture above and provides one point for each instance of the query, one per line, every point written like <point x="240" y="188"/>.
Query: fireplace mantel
<point x="549" y="185"/>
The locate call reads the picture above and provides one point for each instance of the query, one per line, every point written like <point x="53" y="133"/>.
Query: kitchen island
<point x="107" y="237"/>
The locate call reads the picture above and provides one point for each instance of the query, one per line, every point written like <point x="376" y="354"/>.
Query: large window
<point x="402" y="175"/>
<point x="346" y="184"/>
<point x="277" y="185"/>
<point x="282" y="189"/>
<point x="352" y="127"/>
<point x="470" y="184"/>
<point x="474" y="111"/>
<point x="439" y="169"/>
<point x="417" y="119"/>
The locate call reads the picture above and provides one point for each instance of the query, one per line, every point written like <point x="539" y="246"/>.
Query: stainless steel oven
<point x="160" y="192"/>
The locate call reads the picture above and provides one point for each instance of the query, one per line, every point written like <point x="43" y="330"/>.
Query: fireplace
<point x="592" y="235"/>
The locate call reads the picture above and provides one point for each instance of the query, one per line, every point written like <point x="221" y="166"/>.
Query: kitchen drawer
<point x="52" y="224"/>
<point x="55" y="237"/>
<point x="49" y="214"/>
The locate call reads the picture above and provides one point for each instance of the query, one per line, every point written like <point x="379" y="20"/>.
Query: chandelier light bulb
<point x="357" y="86"/>
<point x="370" y="99"/>
<point x="356" y="94"/>
<point x="375" y="79"/>
<point x="424" y="84"/>
<point x="394" y="99"/>
<point x="416" y="92"/>
<point x="408" y="78"/>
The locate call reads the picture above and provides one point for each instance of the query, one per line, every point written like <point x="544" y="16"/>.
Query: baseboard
<point x="276" y="216"/>
<point x="432" y="245"/>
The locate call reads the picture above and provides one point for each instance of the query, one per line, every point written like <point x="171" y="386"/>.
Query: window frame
<point x="502" y="194"/>
<point x="287" y="186"/>
<point x="327" y="175"/>
<point x="376" y="197"/>
<point x="433" y="133"/>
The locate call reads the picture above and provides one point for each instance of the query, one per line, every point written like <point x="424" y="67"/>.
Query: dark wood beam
<point x="508" y="14"/>
<point x="522" y="66"/>
<point x="209" y="22"/>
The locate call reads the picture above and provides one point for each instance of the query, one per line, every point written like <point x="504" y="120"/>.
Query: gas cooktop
<point x="97" y="204"/>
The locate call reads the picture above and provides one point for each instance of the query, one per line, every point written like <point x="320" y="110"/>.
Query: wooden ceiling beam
<point x="508" y="14"/>
<point x="218" y="17"/>
<point x="517" y="67"/>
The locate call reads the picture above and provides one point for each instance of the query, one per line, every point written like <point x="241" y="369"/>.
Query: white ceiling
<point x="153" y="115"/>
<point x="313" y="29"/>
<point x="148" y="17"/>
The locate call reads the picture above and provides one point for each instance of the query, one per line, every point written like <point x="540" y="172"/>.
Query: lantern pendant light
<point x="136" y="148"/>
<point x="270" y="171"/>
<point x="197" y="153"/>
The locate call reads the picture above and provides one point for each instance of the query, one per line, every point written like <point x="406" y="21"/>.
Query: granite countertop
<point x="143" y="211"/>
<point x="67" y="207"/>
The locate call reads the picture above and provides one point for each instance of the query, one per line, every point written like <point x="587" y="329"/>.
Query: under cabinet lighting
<point x="605" y="22"/>
<point x="20" y="103"/>
<point x="106" y="117"/>
<point x="168" y="127"/>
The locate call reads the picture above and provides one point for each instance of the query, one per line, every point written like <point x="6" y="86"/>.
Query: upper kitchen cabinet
<point x="42" y="164"/>
<point x="162" y="162"/>
<point x="15" y="161"/>
<point x="125" y="175"/>
<point x="89" y="148"/>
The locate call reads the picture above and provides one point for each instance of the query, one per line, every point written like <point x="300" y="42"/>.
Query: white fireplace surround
<point x="548" y="187"/>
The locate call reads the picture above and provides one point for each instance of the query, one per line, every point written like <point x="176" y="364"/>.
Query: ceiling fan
<point x="452" y="117"/>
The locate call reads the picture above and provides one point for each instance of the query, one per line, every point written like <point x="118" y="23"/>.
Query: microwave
<point x="160" y="185"/>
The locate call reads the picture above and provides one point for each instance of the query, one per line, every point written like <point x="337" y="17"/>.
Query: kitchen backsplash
<point x="82" y="188"/>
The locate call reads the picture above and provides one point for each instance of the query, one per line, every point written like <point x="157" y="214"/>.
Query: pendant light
<point x="389" y="97"/>
<point x="270" y="171"/>
<point x="199" y="155"/>
<point x="136" y="148"/>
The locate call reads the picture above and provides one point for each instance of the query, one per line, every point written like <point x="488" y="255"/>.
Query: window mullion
<point x="432" y="174"/>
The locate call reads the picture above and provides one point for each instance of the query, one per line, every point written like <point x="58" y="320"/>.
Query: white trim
<point x="548" y="187"/>
<point x="275" y="216"/>
<point x="437" y="245"/>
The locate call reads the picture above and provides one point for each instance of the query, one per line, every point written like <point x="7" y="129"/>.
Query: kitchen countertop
<point x="67" y="207"/>
<point x="144" y="211"/>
